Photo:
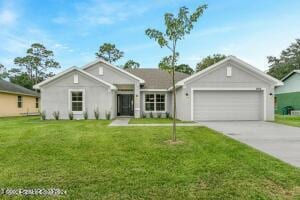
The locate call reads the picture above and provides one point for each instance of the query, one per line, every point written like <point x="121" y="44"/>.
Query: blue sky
<point x="74" y="30"/>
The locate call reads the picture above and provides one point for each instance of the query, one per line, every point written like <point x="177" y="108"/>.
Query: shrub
<point x="96" y="113"/>
<point x="71" y="115"/>
<point x="151" y="115"/>
<point x="56" y="115"/>
<point x="43" y="115"/>
<point x="158" y="115"/>
<point x="107" y="115"/>
<point x="144" y="115"/>
<point x="167" y="115"/>
<point x="85" y="115"/>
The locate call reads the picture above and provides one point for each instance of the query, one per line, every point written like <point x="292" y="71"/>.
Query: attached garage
<point x="220" y="105"/>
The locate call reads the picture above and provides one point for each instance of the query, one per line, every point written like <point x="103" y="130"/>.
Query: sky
<point x="74" y="30"/>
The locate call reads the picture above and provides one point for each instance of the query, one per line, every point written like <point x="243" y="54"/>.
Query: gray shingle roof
<point x="9" y="87"/>
<point x="156" y="78"/>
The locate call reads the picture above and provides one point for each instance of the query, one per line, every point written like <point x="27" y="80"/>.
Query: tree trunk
<point x="174" y="94"/>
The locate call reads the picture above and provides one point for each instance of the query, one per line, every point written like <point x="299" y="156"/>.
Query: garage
<point x="226" y="105"/>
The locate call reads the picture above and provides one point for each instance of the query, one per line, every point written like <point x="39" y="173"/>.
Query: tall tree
<point x="288" y="61"/>
<point x="166" y="64"/>
<point x="208" y="61"/>
<point x="35" y="65"/>
<point x="3" y="72"/>
<point x="109" y="52"/>
<point x="131" y="64"/>
<point x="176" y="28"/>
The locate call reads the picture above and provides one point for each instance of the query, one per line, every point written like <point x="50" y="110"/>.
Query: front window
<point x="36" y="102"/>
<point x="155" y="102"/>
<point x="20" y="101"/>
<point x="77" y="100"/>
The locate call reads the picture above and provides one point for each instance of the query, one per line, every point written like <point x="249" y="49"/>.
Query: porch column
<point x="137" y="97"/>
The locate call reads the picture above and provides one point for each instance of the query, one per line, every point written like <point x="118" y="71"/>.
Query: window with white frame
<point x="20" y="101"/>
<point x="155" y="102"/>
<point x="77" y="101"/>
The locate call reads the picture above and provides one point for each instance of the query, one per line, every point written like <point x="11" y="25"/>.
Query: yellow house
<point x="16" y="100"/>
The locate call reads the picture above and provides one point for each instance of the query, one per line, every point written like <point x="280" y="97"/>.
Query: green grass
<point x="154" y="121"/>
<point x="92" y="161"/>
<point x="288" y="120"/>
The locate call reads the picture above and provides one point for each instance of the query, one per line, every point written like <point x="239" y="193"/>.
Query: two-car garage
<point x="229" y="104"/>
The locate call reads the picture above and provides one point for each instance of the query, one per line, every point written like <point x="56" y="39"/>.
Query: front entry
<point x="125" y="105"/>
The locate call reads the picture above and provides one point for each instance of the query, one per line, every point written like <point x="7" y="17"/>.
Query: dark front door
<point x="125" y="104"/>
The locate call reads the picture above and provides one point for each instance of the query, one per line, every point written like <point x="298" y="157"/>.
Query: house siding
<point x="292" y="84"/>
<point x="9" y="106"/>
<point x="287" y="99"/>
<point x="217" y="78"/>
<point x="55" y="96"/>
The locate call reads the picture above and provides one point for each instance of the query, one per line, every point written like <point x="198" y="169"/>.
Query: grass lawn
<point x="154" y="121"/>
<point x="288" y="120"/>
<point x="92" y="161"/>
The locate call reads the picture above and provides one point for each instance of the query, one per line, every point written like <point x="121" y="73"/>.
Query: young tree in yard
<point x="176" y="29"/>
<point x="109" y="53"/>
<point x="288" y="61"/>
<point x="208" y="61"/>
<point x="34" y="66"/>
<point x="131" y="64"/>
<point x="166" y="64"/>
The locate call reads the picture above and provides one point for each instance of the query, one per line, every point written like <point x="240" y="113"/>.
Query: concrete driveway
<point x="280" y="141"/>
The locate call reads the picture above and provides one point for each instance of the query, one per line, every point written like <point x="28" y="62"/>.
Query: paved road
<point x="280" y="141"/>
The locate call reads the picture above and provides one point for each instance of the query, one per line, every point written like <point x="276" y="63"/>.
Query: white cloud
<point x="7" y="17"/>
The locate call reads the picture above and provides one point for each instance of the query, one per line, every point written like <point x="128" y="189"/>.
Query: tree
<point x="176" y="29"/>
<point x="288" y="61"/>
<point x="131" y="64"/>
<point x="109" y="53"/>
<point x="184" y="68"/>
<point x="208" y="61"/>
<point x="3" y="72"/>
<point x="34" y="66"/>
<point x="166" y="64"/>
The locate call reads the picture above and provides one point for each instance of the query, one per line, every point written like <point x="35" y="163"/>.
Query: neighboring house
<point x="228" y="90"/>
<point x="289" y="93"/>
<point x="16" y="100"/>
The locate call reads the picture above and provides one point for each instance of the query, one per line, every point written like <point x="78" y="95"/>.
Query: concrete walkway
<point x="124" y="122"/>
<point x="280" y="141"/>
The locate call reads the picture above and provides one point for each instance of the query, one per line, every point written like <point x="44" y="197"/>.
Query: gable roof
<point x="112" y="66"/>
<point x="37" y="86"/>
<point x="290" y="74"/>
<point x="237" y="60"/>
<point x="156" y="78"/>
<point x="9" y="87"/>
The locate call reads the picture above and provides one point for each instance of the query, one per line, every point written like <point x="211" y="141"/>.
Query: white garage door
<point x="228" y="105"/>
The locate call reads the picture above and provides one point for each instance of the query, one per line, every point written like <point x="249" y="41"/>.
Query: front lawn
<point x="288" y="120"/>
<point x="90" y="160"/>
<point x="154" y="121"/>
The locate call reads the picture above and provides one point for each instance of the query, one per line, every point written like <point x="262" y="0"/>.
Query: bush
<point x="144" y="115"/>
<point x="56" y="115"/>
<point x="107" y="115"/>
<point x="158" y="115"/>
<point x="167" y="115"/>
<point x="151" y="115"/>
<point x="85" y="115"/>
<point x="43" y="115"/>
<point x="71" y="115"/>
<point x="96" y="113"/>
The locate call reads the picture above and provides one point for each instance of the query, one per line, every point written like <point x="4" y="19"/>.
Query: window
<point x="36" y="102"/>
<point x="77" y="100"/>
<point x="20" y="101"/>
<point x="155" y="102"/>
<point x="75" y="78"/>
<point x="229" y="71"/>
<point x="100" y="70"/>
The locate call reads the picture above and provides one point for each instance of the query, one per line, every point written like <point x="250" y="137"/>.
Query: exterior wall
<point x="217" y="78"/>
<point x="167" y="103"/>
<point x="9" y="105"/>
<point x="117" y="77"/>
<point x="55" y="96"/>
<point x="287" y="99"/>
<point x="292" y="84"/>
